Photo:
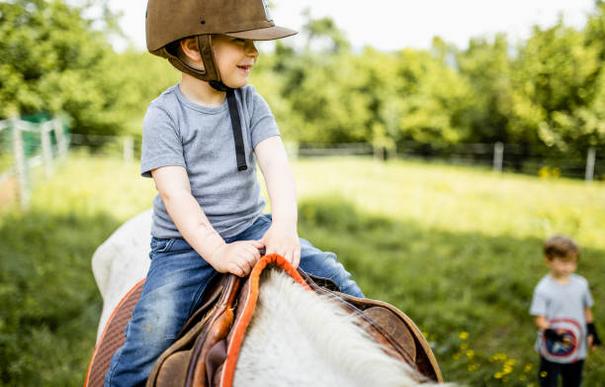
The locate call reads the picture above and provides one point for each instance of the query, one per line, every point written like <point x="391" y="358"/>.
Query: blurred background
<point x="434" y="149"/>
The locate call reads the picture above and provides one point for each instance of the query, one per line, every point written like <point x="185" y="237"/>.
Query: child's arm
<point x="592" y="335"/>
<point x="282" y="236"/>
<point x="173" y="186"/>
<point x="544" y="326"/>
<point x="588" y="315"/>
<point x="541" y="323"/>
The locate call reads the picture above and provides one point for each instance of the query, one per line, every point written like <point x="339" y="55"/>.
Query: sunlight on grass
<point x="85" y="185"/>
<point x="461" y="199"/>
<point x="439" y="197"/>
<point x="458" y="249"/>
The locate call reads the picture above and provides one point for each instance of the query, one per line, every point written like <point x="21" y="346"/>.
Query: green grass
<point x="457" y="249"/>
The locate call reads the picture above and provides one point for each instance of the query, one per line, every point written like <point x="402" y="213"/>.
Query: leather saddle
<point x="206" y="352"/>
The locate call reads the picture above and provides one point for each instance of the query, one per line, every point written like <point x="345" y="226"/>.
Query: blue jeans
<point x="173" y="289"/>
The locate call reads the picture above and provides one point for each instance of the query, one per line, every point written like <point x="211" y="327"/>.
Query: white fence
<point x="498" y="156"/>
<point x="26" y="146"/>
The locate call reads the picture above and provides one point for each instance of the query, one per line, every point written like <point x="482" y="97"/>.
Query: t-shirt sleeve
<point x="262" y="122"/>
<point x="538" y="303"/>
<point x="162" y="145"/>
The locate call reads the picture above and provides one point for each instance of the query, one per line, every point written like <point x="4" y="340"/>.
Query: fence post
<point x="60" y="136"/>
<point x="20" y="164"/>
<point x="498" y="156"/>
<point x="590" y="163"/>
<point x="128" y="144"/>
<point x="47" y="152"/>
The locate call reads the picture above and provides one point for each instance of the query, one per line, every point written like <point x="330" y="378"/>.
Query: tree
<point x="54" y="61"/>
<point x="487" y="66"/>
<point x="435" y="99"/>
<point x="554" y="83"/>
<point x="324" y="33"/>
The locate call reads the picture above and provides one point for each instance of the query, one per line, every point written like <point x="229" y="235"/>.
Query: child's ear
<point x="191" y="52"/>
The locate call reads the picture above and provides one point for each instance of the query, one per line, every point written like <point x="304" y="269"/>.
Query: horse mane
<point x="299" y="337"/>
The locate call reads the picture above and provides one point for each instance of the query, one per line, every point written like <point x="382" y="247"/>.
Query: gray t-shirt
<point x="178" y="132"/>
<point x="563" y="305"/>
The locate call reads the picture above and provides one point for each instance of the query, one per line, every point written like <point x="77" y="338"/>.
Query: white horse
<point x="297" y="337"/>
<point x="121" y="261"/>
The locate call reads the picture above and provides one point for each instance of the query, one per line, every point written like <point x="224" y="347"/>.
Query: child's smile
<point x="245" y="68"/>
<point x="235" y="59"/>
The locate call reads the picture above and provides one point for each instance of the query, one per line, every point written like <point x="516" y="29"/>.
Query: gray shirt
<point x="563" y="305"/>
<point x="178" y="132"/>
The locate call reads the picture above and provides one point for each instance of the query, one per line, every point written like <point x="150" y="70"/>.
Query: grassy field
<point x="457" y="249"/>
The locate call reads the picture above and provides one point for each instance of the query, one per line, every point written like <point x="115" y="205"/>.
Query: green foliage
<point x="49" y="299"/>
<point x="554" y="83"/>
<point x="487" y="66"/>
<point x="50" y="302"/>
<point x="54" y="61"/>
<point x="142" y="78"/>
<point x="547" y="94"/>
<point x="458" y="250"/>
<point x="327" y="33"/>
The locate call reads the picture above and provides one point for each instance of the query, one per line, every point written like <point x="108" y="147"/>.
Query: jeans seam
<point x="198" y="294"/>
<point x="112" y="369"/>
<point x="168" y="246"/>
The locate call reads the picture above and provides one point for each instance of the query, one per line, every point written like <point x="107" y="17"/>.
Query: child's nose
<point x="250" y="49"/>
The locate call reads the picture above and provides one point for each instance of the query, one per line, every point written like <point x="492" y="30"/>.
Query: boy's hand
<point x="553" y="335"/>
<point x="237" y="258"/>
<point x="284" y="241"/>
<point x="593" y="337"/>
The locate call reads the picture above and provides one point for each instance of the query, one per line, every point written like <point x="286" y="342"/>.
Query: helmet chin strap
<point x="211" y="75"/>
<point x="240" y="152"/>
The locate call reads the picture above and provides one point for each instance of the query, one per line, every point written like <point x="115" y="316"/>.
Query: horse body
<point x="296" y="336"/>
<point x="120" y="262"/>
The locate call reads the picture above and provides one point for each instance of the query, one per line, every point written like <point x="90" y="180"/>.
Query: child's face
<point x="562" y="268"/>
<point x="235" y="59"/>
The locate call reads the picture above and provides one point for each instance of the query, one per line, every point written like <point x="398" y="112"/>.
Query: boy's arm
<point x="282" y="236"/>
<point x="173" y="186"/>
<point x="588" y="315"/>
<point x="592" y="335"/>
<point x="541" y="323"/>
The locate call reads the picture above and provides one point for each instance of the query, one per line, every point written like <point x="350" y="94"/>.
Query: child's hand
<point x="284" y="241"/>
<point x="553" y="335"/>
<point x="237" y="258"/>
<point x="593" y="337"/>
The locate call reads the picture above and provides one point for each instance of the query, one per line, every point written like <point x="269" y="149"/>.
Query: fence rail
<point x="26" y="145"/>
<point x="497" y="156"/>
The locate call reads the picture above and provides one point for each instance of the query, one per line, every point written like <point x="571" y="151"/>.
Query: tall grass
<point x="457" y="249"/>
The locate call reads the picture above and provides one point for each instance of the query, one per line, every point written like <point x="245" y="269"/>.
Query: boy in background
<point x="201" y="141"/>
<point x="561" y="306"/>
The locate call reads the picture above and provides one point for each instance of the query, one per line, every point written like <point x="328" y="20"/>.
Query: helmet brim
<point x="270" y="33"/>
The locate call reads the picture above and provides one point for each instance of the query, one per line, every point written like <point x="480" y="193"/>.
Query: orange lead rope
<point x="246" y="317"/>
